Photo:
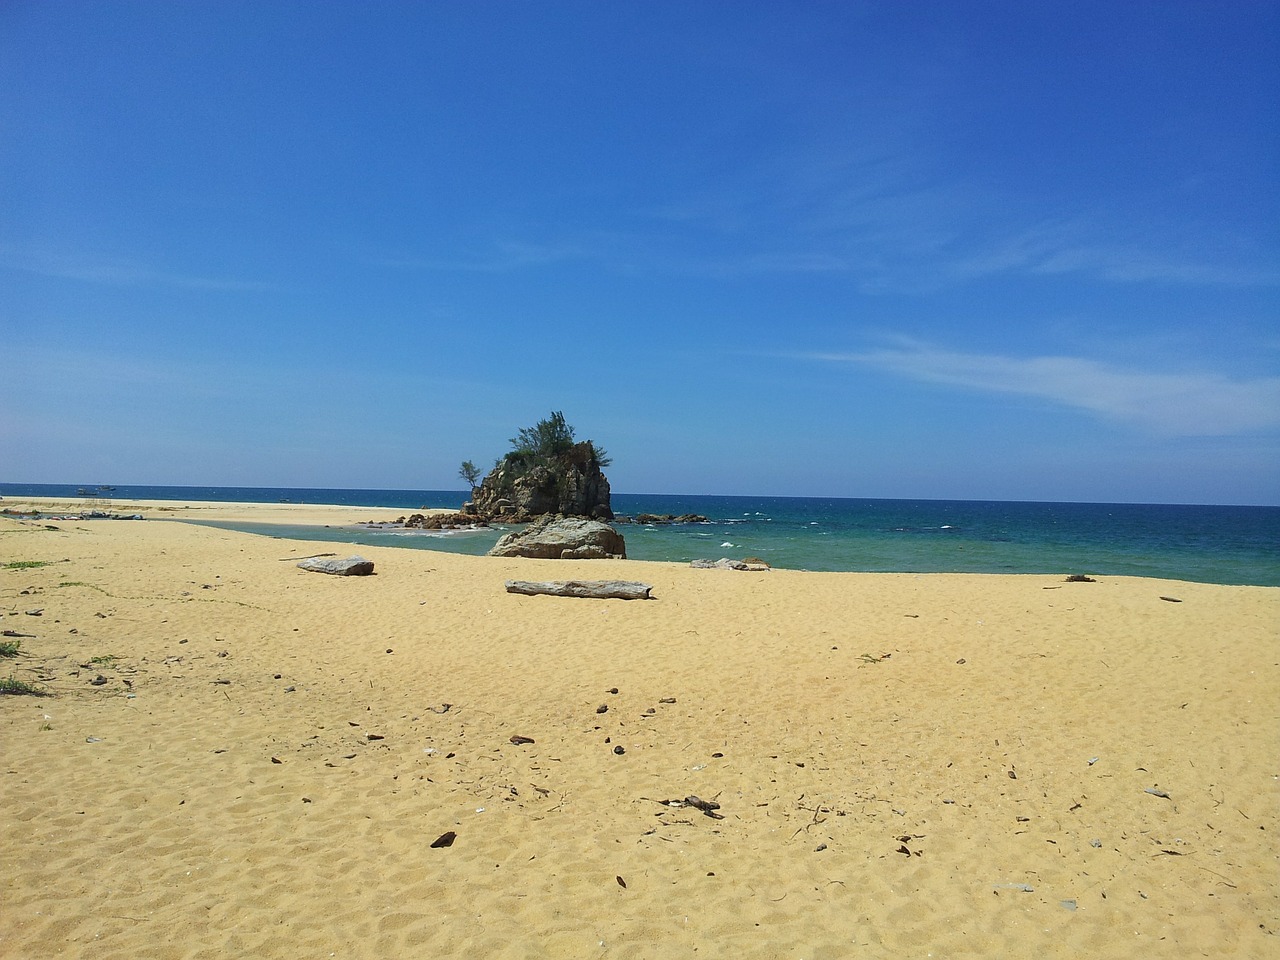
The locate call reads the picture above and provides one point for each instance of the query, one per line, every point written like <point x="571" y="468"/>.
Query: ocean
<point x="1210" y="544"/>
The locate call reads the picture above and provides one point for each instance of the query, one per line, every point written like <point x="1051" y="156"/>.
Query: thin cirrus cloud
<point x="1136" y="266"/>
<point x="1075" y="248"/>
<point x="113" y="271"/>
<point x="1170" y="404"/>
<point x="500" y="257"/>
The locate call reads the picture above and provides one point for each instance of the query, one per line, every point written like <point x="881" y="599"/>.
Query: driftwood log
<point x="592" y="589"/>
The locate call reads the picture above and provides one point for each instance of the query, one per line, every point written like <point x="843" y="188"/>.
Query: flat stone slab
<point x="591" y="589"/>
<point x="349" y="567"/>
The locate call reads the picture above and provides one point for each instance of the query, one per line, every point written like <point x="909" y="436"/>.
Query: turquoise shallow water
<point x="1213" y="544"/>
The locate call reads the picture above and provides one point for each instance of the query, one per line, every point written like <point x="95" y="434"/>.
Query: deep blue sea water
<point x="1212" y="544"/>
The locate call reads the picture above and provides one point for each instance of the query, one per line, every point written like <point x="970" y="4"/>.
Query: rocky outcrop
<point x="563" y="538"/>
<point x="570" y="483"/>
<point x="659" y="519"/>
<point x="443" y="521"/>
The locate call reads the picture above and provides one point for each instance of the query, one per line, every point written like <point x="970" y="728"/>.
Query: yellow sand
<point x="906" y="766"/>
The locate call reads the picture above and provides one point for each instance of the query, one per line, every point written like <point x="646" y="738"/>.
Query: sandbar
<point x="291" y="514"/>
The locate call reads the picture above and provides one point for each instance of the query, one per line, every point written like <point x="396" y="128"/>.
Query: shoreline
<point x="1246" y="556"/>
<point x="898" y="548"/>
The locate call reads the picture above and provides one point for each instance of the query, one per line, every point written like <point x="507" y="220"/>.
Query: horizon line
<point x="736" y="496"/>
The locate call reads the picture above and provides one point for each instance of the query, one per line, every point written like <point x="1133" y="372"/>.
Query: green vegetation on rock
<point x="546" y="471"/>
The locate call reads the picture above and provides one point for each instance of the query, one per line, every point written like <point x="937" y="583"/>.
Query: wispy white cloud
<point x="1096" y="251"/>
<point x="892" y="221"/>
<point x="1171" y="404"/>
<point x="499" y="257"/>
<point x="113" y="270"/>
<point x="1130" y="265"/>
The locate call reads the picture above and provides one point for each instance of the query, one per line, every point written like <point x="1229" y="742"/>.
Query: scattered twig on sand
<point x="708" y="807"/>
<point x="817" y="810"/>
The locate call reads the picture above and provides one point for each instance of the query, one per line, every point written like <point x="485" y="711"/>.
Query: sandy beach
<point x="237" y="757"/>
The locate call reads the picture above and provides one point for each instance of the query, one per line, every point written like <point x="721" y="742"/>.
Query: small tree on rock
<point x="547" y="471"/>
<point x="470" y="473"/>
<point x="548" y="441"/>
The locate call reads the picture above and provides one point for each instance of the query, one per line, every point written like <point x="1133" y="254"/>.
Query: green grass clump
<point x="12" y="685"/>
<point x="27" y="564"/>
<point x="9" y="648"/>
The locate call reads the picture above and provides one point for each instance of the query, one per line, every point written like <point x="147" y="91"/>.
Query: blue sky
<point x="990" y="250"/>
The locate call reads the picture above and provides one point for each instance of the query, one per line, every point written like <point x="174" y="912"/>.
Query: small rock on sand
<point x="349" y="567"/>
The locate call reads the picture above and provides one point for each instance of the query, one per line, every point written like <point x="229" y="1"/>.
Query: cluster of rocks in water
<point x="550" y="536"/>
<point x="564" y="502"/>
<point x="443" y="521"/>
<point x="428" y="521"/>
<point x="571" y="484"/>
<point x="557" y="487"/>
<point x="558" y="537"/>
<point x="660" y="519"/>
<point x="472" y="521"/>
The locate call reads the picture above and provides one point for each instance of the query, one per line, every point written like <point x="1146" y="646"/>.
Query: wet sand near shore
<point x="237" y="757"/>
